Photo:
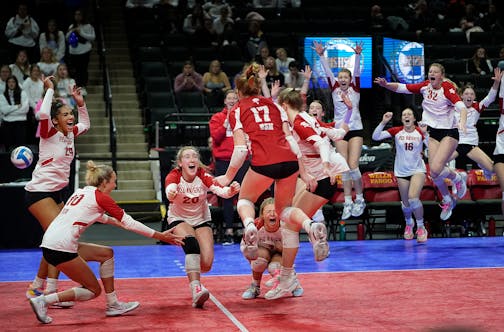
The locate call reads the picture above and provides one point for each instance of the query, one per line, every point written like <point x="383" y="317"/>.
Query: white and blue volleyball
<point x="22" y="157"/>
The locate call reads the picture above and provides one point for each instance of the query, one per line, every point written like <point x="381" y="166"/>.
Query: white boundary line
<point x="228" y="314"/>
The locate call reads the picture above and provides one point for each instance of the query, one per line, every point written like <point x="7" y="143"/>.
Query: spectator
<point x="256" y="39"/>
<point x="220" y="22"/>
<point x="14" y="108"/>
<point x="273" y="73"/>
<point x="423" y="19"/>
<point x="53" y="39"/>
<point x="222" y="149"/>
<point x="214" y="7"/>
<point x="215" y="84"/>
<point x="282" y="61"/>
<point x="5" y="72"/>
<point x="80" y="35"/>
<point x="195" y="20"/>
<point x="188" y="80"/>
<point x="206" y="36"/>
<point x="296" y="78"/>
<point x="48" y="64"/>
<point x="500" y="59"/>
<point x="64" y="85"/>
<point x="377" y="20"/>
<point x="21" y="67"/>
<point x="479" y="64"/>
<point x="264" y="53"/>
<point x="22" y="32"/>
<point x="34" y="88"/>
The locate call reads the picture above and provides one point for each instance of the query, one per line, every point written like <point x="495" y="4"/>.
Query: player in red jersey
<point x="61" y="246"/>
<point x="186" y="188"/>
<point x="440" y="99"/>
<point x="275" y="155"/>
<point x="46" y="189"/>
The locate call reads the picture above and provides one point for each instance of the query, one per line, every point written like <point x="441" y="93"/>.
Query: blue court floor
<point x="149" y="261"/>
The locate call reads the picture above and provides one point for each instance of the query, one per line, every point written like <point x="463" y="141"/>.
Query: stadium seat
<point x="486" y="193"/>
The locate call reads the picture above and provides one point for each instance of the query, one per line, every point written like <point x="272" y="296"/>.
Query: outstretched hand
<point x="318" y="47"/>
<point x="169" y="237"/>
<point x="307" y="72"/>
<point x="380" y="81"/>
<point x="387" y="117"/>
<point x="77" y="95"/>
<point x="358" y="47"/>
<point x="48" y="83"/>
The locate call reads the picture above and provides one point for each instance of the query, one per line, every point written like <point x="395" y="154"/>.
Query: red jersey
<point x="222" y="137"/>
<point x="261" y="119"/>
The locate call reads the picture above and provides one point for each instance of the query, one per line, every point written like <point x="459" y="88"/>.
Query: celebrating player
<point x="186" y="188"/>
<point x="61" y="248"/>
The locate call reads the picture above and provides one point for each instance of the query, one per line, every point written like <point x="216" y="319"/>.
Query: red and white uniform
<point x="190" y="204"/>
<point x="307" y="131"/>
<point x="409" y="147"/>
<point x="473" y="114"/>
<point x="437" y="104"/>
<point x="56" y="151"/>
<point x="261" y="119"/>
<point x="84" y="208"/>
<point x="499" y="139"/>
<point x="353" y="93"/>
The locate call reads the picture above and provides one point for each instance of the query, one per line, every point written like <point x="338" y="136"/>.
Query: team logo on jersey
<point x="408" y="62"/>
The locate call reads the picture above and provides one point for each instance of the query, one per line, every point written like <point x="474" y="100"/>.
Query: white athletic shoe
<point x="298" y="291"/>
<point x="461" y="185"/>
<point x="39" y="307"/>
<point x="251" y="292"/>
<point x="280" y="291"/>
<point x="358" y="207"/>
<point x="199" y="296"/>
<point x="347" y="211"/>
<point x="275" y="279"/>
<point x="250" y="239"/>
<point x="120" y="308"/>
<point x="447" y="208"/>
<point x="318" y="239"/>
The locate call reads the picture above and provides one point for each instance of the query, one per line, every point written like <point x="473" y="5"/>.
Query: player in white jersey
<point x="186" y="188"/>
<point x="409" y="168"/>
<point x="61" y="248"/>
<point x="269" y="251"/>
<point x="499" y="142"/>
<point x="346" y="98"/>
<point x="319" y="157"/>
<point x="468" y="142"/>
<point x="440" y="99"/>
<point x="46" y="190"/>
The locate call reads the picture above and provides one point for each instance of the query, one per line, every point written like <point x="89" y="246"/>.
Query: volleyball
<point x="21" y="157"/>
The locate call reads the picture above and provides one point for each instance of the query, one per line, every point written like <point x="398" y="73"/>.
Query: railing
<point x="107" y="89"/>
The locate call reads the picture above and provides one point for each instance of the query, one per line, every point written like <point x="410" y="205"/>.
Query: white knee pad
<point x="355" y="174"/>
<point x="192" y="263"/>
<point x="273" y="267"/>
<point x="414" y="203"/>
<point x="259" y="265"/>
<point x="244" y="202"/>
<point x="290" y="239"/>
<point x="107" y="268"/>
<point x="286" y="214"/>
<point x="346" y="176"/>
<point x="83" y="294"/>
<point x="406" y="209"/>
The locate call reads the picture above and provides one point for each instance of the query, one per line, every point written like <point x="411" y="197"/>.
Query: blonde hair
<point x="178" y="157"/>
<point x="97" y="174"/>
<point x="267" y="201"/>
<point x="440" y="66"/>
<point x="292" y="98"/>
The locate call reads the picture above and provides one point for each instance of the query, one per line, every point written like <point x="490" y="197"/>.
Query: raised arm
<point x="380" y="134"/>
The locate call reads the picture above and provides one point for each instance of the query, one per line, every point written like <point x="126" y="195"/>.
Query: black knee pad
<point x="191" y="245"/>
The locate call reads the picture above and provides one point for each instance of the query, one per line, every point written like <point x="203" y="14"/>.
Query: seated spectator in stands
<point x="256" y="39"/>
<point x="14" y="108"/>
<point x="141" y="3"/>
<point x="48" y="63"/>
<point x="195" y="20"/>
<point x="467" y="27"/>
<point x="80" y="51"/>
<point x="188" y="80"/>
<point x="500" y="58"/>
<point x="264" y="53"/>
<point x="5" y="72"/>
<point x="377" y="20"/>
<point x="215" y="84"/>
<point x="21" y="67"/>
<point x="273" y="73"/>
<point x="213" y="8"/>
<point x="276" y="3"/>
<point x="296" y="78"/>
<point x="282" y="61"/>
<point x="34" y="86"/>
<point x="22" y="33"/>
<point x="479" y="64"/>
<point x="206" y="35"/>
<point x="423" y="19"/>
<point x="63" y="85"/>
<point x="230" y="36"/>
<point x="491" y="20"/>
<point x="220" y="22"/>
<point x="53" y="39"/>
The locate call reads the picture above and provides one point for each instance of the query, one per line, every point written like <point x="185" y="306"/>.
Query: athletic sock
<point x="111" y="298"/>
<point x="52" y="285"/>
